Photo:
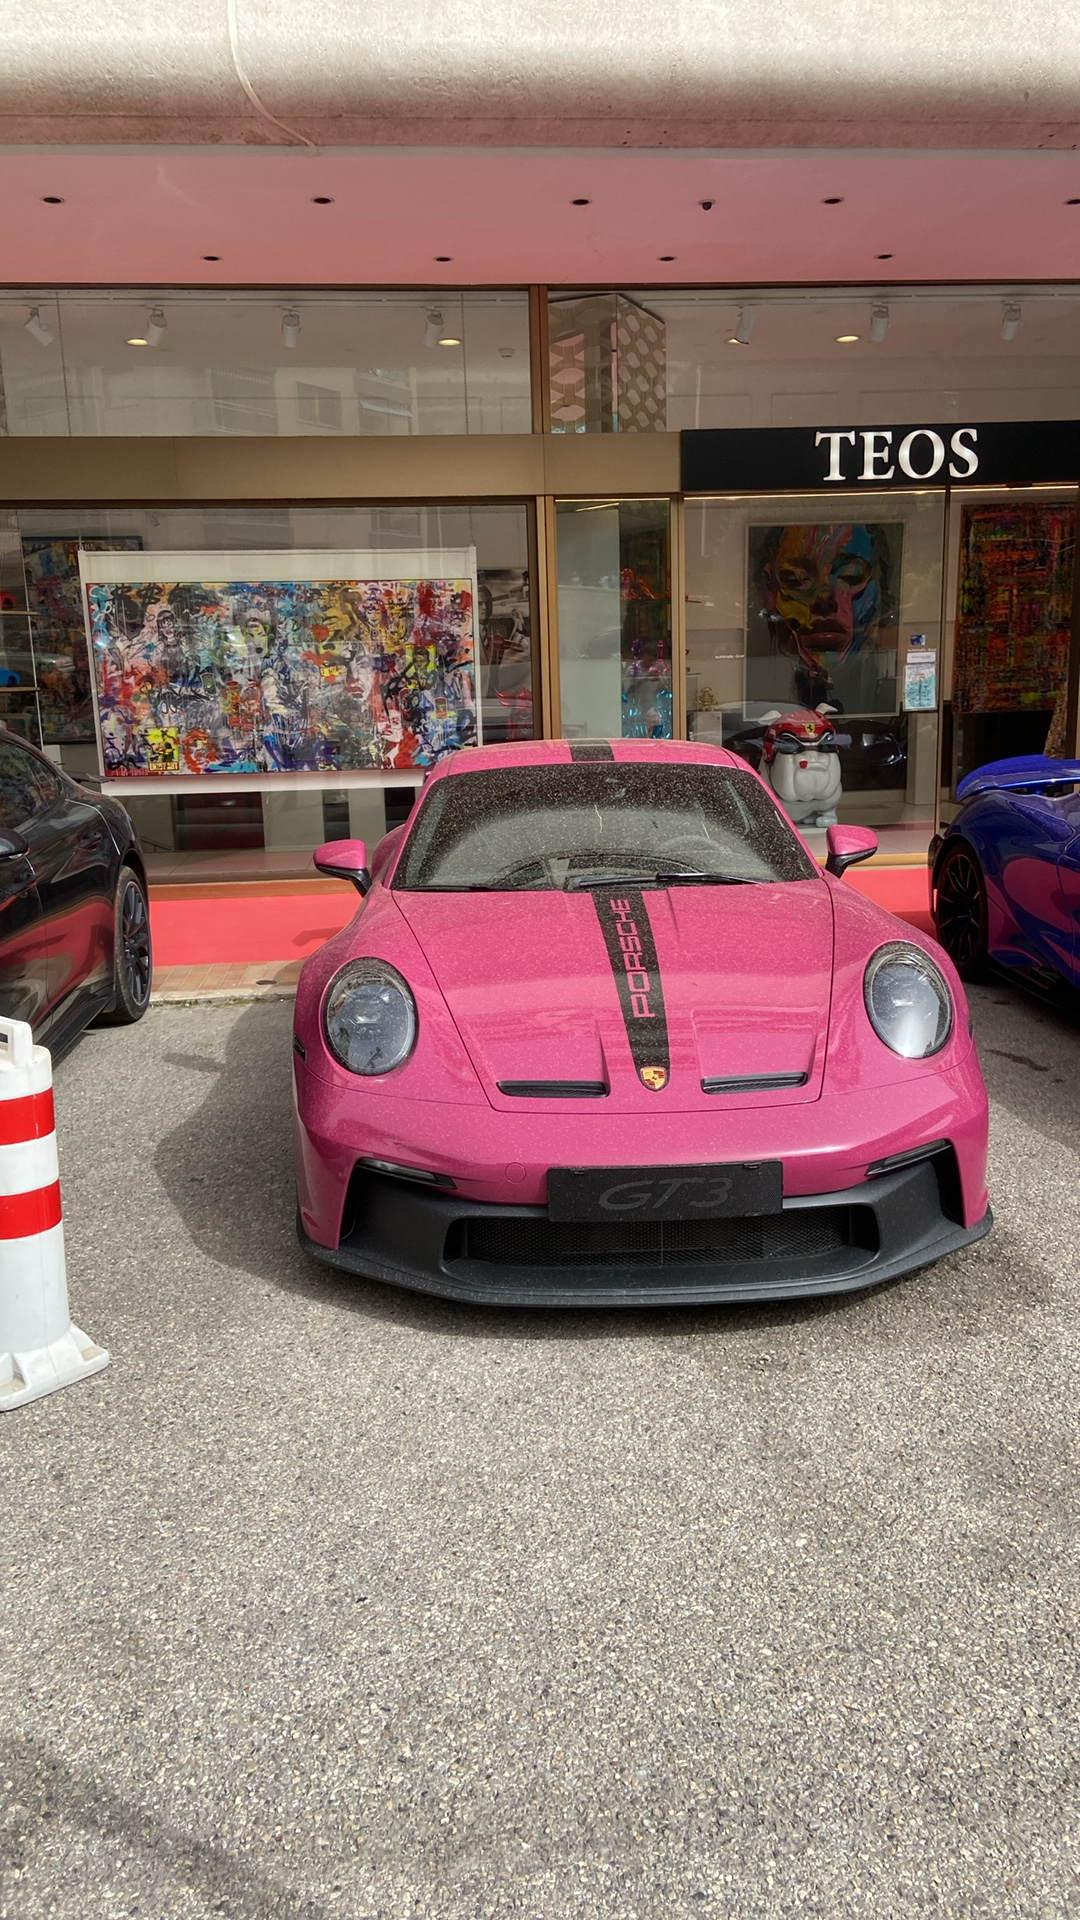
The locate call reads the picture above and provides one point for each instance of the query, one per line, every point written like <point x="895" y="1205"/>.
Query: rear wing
<point x="1032" y="771"/>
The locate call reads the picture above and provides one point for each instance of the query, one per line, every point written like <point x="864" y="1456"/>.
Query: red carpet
<point x="243" y="927"/>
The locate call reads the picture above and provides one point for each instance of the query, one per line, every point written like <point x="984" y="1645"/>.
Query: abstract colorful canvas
<point x="366" y="662"/>
<point x="1015" y="604"/>
<point x="58" y="630"/>
<point x="823" y="606"/>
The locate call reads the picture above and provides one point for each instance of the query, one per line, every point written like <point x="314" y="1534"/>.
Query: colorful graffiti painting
<point x="277" y="676"/>
<point x="823" y="606"/>
<point x="58" y="631"/>
<point x="1014" y="609"/>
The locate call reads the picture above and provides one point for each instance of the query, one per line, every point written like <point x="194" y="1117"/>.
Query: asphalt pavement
<point x="325" y="1600"/>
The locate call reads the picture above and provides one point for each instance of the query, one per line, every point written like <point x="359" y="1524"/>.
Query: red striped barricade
<point x="40" y="1350"/>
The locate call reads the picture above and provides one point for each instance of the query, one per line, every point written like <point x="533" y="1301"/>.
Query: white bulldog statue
<point x="802" y="764"/>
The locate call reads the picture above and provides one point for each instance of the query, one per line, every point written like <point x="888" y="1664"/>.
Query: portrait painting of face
<point x="822" y="613"/>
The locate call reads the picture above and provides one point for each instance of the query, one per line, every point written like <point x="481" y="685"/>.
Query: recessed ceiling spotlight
<point x="38" y="329"/>
<point x="846" y="339"/>
<point x="706" y="205"/>
<point x="290" y="327"/>
<point x="1072" y="203"/>
<point x="665" y="256"/>
<point x="211" y="256"/>
<point x="1011" y="317"/>
<point x="744" y="328"/>
<point x="156" y="327"/>
<point x="136" y="340"/>
<point x="834" y="200"/>
<point x="884" y="256"/>
<point x="443" y="259"/>
<point x="52" y="200"/>
<point x="879" y="323"/>
<point x="321" y="200"/>
<point x="581" y="203"/>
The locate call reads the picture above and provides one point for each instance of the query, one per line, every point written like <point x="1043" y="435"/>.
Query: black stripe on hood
<point x="628" y="936"/>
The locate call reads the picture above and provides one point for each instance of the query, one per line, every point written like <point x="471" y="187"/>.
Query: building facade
<point x="344" y="420"/>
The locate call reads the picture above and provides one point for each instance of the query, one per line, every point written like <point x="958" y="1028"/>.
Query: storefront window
<point x="658" y="359"/>
<point x="615" y="618"/>
<point x="1011" y="570"/>
<point x="45" y="689"/>
<point x="834" y="610"/>
<point x="320" y="364"/>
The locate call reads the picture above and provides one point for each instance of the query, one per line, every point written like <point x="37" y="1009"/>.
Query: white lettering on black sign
<point x="920" y="455"/>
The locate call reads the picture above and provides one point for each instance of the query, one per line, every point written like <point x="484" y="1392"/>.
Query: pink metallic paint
<point x="756" y="980"/>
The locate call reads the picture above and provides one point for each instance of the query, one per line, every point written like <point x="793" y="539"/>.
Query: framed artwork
<point x="58" y="630"/>
<point x="278" y="663"/>
<point x="823" y="615"/>
<point x="1014" y="607"/>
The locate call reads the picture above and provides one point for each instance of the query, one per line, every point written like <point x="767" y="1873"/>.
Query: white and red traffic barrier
<point x="40" y="1350"/>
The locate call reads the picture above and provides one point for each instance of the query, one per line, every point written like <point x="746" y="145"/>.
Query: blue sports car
<point x="1005" y="874"/>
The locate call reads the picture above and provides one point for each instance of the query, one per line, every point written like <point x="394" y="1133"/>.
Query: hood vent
<point x="755" y="1083"/>
<point x="553" y="1089"/>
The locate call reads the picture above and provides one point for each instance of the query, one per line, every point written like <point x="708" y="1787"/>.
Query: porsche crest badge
<point x="654" y="1077"/>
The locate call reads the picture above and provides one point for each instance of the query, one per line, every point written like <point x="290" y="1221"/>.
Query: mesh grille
<point x="804" y="1235"/>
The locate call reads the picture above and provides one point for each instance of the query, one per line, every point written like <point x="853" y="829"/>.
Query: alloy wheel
<point x="135" y="936"/>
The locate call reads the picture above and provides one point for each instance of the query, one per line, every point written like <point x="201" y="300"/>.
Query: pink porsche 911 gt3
<point x="602" y="1031"/>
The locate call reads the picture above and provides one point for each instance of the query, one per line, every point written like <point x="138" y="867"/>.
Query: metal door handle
<point x="90" y="837"/>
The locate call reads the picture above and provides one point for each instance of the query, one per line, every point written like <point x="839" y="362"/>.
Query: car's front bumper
<point x="465" y="1249"/>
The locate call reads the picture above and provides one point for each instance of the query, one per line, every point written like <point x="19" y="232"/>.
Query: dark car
<point x="74" y="920"/>
<point x="1005" y="874"/>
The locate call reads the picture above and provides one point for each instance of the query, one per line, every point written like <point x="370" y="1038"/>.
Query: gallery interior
<point x="266" y="555"/>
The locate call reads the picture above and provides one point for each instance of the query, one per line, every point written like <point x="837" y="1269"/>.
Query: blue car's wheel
<point x="960" y="911"/>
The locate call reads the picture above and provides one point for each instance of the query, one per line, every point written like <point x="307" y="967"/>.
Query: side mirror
<point x="12" y="844"/>
<point x="847" y="845"/>
<point x="344" y="860"/>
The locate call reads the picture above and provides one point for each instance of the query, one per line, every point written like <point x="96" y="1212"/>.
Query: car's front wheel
<point x="960" y="911"/>
<point x="132" y="954"/>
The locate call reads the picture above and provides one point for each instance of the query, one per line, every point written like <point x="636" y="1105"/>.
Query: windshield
<point x="557" y="828"/>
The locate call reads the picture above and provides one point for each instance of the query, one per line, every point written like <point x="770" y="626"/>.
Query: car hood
<point x="733" y="985"/>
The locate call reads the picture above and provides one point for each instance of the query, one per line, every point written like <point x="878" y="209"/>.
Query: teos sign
<point x="1013" y="453"/>
<point x="921" y="454"/>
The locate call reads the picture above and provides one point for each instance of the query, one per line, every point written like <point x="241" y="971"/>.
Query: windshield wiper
<point x="681" y="879"/>
<point x="709" y="879"/>
<point x="581" y="882"/>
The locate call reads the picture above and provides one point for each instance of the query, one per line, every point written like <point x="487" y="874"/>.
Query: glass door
<point x="614" y="579"/>
<point x="830" y="609"/>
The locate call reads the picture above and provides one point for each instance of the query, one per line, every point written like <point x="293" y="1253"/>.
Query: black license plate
<point x="665" y="1193"/>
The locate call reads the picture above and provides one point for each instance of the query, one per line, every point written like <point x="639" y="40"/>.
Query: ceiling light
<point x="443" y="259"/>
<point x="321" y="200"/>
<point x="290" y="327"/>
<point x="36" y="326"/>
<point x="846" y="339"/>
<point x="156" y="328"/>
<point x="433" y="329"/>
<point x="53" y="199"/>
<point x="581" y="203"/>
<point x="665" y="256"/>
<point x="136" y="340"/>
<point x="1010" y="319"/>
<point x="744" y="328"/>
<point x="834" y="200"/>
<point x="884" y="256"/>
<point x="449" y="339"/>
<point x="879" y="323"/>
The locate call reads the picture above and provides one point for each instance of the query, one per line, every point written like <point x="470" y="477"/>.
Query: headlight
<point x="910" y="1006"/>
<point x="370" y="1017"/>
